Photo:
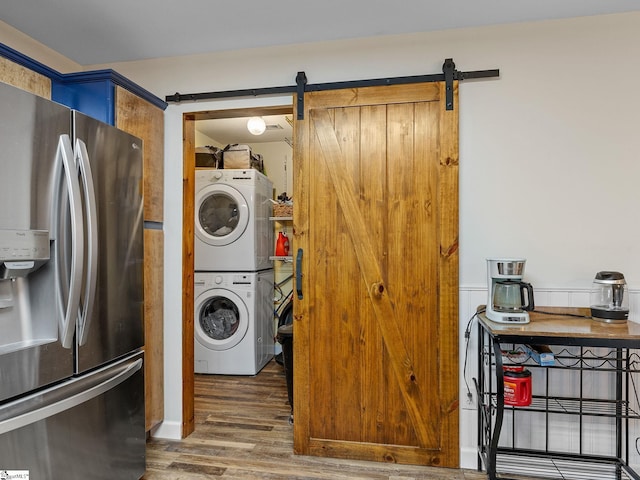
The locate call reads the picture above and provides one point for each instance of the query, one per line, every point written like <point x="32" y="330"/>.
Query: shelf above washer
<point x="282" y="258"/>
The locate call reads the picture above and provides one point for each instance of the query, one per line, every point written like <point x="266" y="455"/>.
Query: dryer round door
<point x="222" y="215"/>
<point x="222" y="319"/>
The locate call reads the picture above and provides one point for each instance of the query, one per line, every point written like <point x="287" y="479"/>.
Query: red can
<point x="517" y="387"/>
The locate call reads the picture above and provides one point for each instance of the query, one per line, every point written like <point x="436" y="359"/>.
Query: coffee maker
<point x="510" y="299"/>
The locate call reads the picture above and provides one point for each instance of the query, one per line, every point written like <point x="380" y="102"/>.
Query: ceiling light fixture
<point x="256" y="126"/>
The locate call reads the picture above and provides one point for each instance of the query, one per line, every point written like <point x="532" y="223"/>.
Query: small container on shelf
<point x="517" y="386"/>
<point x="282" y="210"/>
<point x="282" y="245"/>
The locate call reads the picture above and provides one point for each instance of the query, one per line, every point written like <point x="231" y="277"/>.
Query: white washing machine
<point x="232" y="228"/>
<point x="234" y="330"/>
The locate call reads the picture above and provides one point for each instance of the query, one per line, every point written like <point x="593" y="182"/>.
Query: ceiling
<point x="234" y="130"/>
<point x="92" y="32"/>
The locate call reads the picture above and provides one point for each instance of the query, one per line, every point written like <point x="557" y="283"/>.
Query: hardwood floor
<point x="242" y="432"/>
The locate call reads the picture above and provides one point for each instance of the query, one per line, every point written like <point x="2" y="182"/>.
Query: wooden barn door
<point x="376" y="225"/>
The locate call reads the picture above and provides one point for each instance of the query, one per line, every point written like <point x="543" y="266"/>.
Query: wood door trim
<point x="372" y="273"/>
<point x="301" y="346"/>
<point x="449" y="271"/>
<point x="188" y="216"/>
<point x="242" y="112"/>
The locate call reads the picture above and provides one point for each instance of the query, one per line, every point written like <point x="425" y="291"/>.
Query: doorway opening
<point x="201" y="127"/>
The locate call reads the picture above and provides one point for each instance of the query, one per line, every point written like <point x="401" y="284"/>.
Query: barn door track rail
<point x="449" y="75"/>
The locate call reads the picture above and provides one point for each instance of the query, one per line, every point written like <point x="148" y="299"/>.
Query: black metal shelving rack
<point x="605" y="355"/>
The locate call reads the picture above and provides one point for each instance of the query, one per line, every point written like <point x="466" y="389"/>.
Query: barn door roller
<point x="301" y="84"/>
<point x="449" y="70"/>
<point x="449" y="75"/>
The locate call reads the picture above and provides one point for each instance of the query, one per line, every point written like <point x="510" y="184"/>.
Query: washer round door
<point x="222" y="319"/>
<point x="222" y="215"/>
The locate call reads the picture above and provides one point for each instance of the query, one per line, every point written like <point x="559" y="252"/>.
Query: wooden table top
<point x="558" y="326"/>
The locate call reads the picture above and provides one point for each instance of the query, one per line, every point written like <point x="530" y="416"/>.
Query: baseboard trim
<point x="168" y="431"/>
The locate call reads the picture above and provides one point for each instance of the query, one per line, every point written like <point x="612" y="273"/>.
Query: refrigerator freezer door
<point x="31" y="354"/>
<point x="89" y="427"/>
<point x="114" y="327"/>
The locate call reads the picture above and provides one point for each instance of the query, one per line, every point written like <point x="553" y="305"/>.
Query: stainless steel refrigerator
<point x="71" y="294"/>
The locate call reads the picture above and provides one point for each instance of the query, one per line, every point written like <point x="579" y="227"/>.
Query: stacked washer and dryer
<point x="233" y="279"/>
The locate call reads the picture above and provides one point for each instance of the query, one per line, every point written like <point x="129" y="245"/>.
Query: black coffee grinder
<point x="609" y="299"/>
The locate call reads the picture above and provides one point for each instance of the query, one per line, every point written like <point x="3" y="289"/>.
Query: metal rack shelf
<point x="283" y="258"/>
<point x="578" y="360"/>
<point x="573" y="406"/>
<point x="587" y="359"/>
<point x="556" y="465"/>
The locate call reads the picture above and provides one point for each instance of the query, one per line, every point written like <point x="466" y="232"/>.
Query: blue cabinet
<point x="92" y="93"/>
<point x="94" y="97"/>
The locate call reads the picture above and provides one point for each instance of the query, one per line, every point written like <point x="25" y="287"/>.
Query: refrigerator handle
<point x="86" y="310"/>
<point x="67" y="317"/>
<point x="50" y="406"/>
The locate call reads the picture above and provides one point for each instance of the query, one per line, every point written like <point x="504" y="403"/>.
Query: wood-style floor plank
<point x="243" y="432"/>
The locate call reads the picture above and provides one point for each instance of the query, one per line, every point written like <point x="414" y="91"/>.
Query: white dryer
<point x="234" y="328"/>
<point x="232" y="228"/>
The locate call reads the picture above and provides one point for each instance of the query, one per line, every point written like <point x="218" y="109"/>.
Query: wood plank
<point x="558" y="325"/>
<point x="417" y="92"/>
<point x="302" y="184"/>
<point x="153" y="327"/>
<point x="373" y="198"/>
<point x="22" y="77"/>
<point x="188" y="215"/>
<point x="146" y="121"/>
<point x="140" y="118"/>
<point x="412" y="245"/>
<point x="449" y="267"/>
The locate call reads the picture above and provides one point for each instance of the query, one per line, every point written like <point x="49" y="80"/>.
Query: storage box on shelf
<point x="283" y="211"/>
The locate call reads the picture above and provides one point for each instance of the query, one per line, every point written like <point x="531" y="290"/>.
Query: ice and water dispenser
<point x="22" y="252"/>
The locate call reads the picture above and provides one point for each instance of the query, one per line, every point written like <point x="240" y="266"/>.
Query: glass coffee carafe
<point x="512" y="296"/>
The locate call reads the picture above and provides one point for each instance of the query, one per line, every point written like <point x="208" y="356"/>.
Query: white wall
<point x="548" y="152"/>
<point x="203" y="141"/>
<point x="278" y="166"/>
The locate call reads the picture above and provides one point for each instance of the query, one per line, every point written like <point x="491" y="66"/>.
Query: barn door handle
<point x="299" y="274"/>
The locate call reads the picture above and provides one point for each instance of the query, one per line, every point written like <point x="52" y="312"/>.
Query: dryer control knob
<point x="217" y="175"/>
<point x="218" y="280"/>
